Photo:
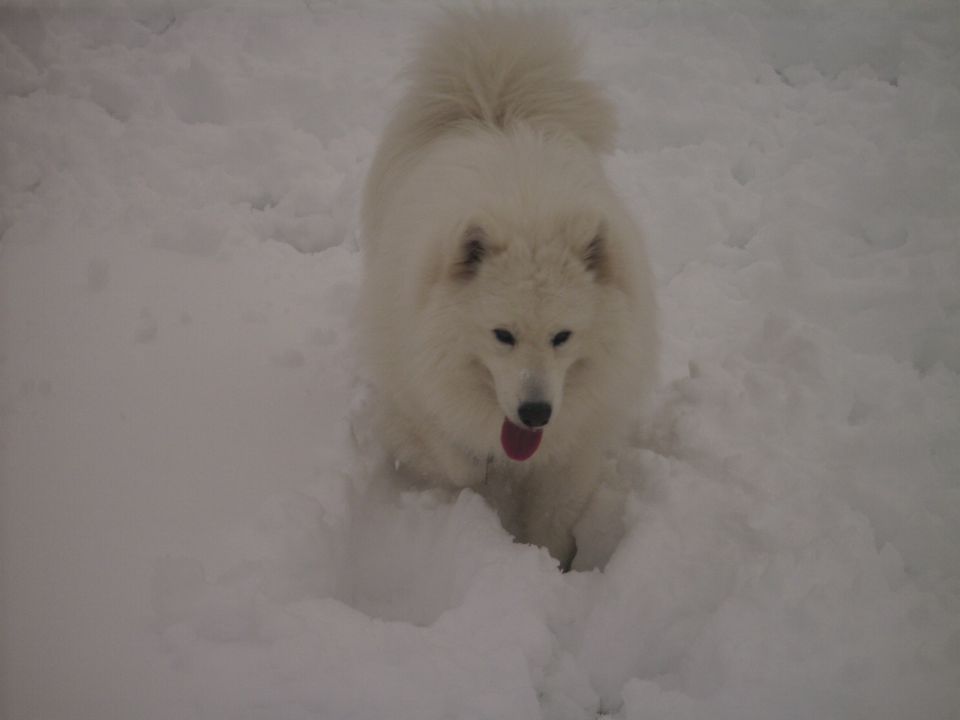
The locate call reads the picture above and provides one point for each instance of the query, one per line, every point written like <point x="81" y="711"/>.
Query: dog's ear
<point x="472" y="251"/>
<point x="596" y="258"/>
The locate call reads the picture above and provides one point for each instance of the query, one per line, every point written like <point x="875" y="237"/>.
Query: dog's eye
<point x="505" y="336"/>
<point x="560" y="338"/>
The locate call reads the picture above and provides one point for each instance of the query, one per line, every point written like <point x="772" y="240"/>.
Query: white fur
<point x="496" y="141"/>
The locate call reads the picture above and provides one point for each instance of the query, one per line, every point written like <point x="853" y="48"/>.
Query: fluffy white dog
<point x="509" y="314"/>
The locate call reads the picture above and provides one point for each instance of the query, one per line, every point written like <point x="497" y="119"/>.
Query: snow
<point x="196" y="521"/>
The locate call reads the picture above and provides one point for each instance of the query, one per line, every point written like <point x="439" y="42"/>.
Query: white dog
<point x="509" y="314"/>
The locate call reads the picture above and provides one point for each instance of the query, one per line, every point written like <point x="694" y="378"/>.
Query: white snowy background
<point x="195" y="519"/>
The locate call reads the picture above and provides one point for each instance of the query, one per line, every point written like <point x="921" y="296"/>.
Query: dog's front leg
<point x="556" y="498"/>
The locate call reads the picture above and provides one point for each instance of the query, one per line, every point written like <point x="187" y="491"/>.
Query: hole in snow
<point x="408" y="558"/>
<point x="263" y="202"/>
<point x="414" y="557"/>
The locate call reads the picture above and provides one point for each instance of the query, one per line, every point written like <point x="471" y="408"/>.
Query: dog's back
<point x="491" y="67"/>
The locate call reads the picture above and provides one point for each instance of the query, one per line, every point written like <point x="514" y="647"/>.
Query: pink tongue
<point x="519" y="443"/>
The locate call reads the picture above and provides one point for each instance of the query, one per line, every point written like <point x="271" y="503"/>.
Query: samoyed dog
<point x="509" y="317"/>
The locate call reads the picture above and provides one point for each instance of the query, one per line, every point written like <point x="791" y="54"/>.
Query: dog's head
<point x="528" y="302"/>
<point x="535" y="309"/>
<point x="535" y="301"/>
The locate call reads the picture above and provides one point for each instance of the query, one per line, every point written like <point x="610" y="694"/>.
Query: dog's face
<point x="531" y="307"/>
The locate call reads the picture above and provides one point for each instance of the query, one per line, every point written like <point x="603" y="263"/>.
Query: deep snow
<point x="195" y="519"/>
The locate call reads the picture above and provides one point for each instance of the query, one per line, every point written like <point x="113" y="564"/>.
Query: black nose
<point x="534" y="414"/>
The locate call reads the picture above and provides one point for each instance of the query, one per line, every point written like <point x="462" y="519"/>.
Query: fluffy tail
<point x="491" y="67"/>
<point x="498" y="67"/>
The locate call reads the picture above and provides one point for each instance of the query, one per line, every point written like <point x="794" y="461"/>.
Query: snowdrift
<point x="195" y="520"/>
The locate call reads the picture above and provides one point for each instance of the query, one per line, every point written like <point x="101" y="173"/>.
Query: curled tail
<point x="489" y="67"/>
<point x="498" y="67"/>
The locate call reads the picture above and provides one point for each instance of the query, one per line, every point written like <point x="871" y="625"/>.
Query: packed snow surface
<point x="196" y="521"/>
